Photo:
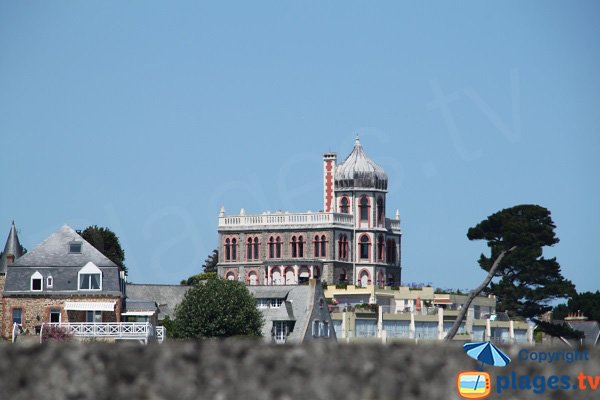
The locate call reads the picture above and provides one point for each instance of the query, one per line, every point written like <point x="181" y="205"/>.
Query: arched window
<point x="252" y="278"/>
<point x="344" y="205"/>
<point x="300" y="246"/>
<point x="343" y="247"/>
<point x="290" y="276"/>
<point x="316" y="246"/>
<point x="233" y="249"/>
<point x="278" y="247"/>
<point x="256" y="248"/>
<point x="303" y="274"/>
<point x="380" y="248"/>
<point x="227" y="250"/>
<point x="323" y="246"/>
<point x="293" y="247"/>
<point x="276" y="278"/>
<point x="390" y="279"/>
<point x="364" y="208"/>
<point x="364" y="278"/>
<point x="391" y="251"/>
<point x="381" y="279"/>
<point x="249" y="249"/>
<point x="230" y="276"/>
<point x="271" y="247"/>
<point x="364" y="247"/>
<point x="380" y="212"/>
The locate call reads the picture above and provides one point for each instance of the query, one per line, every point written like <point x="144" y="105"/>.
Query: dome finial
<point x="357" y="140"/>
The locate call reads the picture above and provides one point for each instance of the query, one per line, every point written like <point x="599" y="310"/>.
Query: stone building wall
<point x="36" y="310"/>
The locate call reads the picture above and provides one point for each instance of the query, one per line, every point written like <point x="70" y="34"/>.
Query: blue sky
<point x="146" y="117"/>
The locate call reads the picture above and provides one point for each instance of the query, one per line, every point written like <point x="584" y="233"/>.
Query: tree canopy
<point x="209" y="270"/>
<point x="587" y="303"/>
<point x="210" y="264"/>
<point x="198" y="279"/>
<point x="107" y="242"/>
<point x="527" y="281"/>
<point x="217" y="309"/>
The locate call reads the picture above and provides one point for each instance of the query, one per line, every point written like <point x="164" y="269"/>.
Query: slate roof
<point x="18" y="281"/>
<point x="166" y="296"/>
<point x="140" y="305"/>
<point x="54" y="251"/>
<point x="12" y="247"/>
<point x="590" y="329"/>
<point x="299" y="300"/>
<point x="269" y="292"/>
<point x="52" y="258"/>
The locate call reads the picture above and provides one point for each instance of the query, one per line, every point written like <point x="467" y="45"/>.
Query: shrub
<point x="219" y="308"/>
<point x="55" y="333"/>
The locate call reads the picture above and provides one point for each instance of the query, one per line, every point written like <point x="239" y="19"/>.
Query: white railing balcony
<point x="286" y="219"/>
<point x="161" y="334"/>
<point x="392" y="224"/>
<point x="110" y="330"/>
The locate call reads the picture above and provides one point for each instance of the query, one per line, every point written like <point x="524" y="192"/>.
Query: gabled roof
<point x="12" y="247"/>
<point x="166" y="296"/>
<point x="54" y="252"/>
<point x="298" y="303"/>
<point x="590" y="329"/>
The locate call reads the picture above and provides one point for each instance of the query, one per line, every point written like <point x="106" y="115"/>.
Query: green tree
<point x="219" y="308"/>
<point x="527" y="281"/>
<point x="209" y="270"/>
<point x="588" y="303"/>
<point x="210" y="264"/>
<point x="107" y="242"/>
<point x="197" y="279"/>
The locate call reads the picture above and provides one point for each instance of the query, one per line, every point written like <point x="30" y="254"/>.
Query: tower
<point x="360" y="187"/>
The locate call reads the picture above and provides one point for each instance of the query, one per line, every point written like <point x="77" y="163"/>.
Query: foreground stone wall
<point x="252" y="370"/>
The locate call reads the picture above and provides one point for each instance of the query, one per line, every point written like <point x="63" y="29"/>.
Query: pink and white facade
<point x="350" y="241"/>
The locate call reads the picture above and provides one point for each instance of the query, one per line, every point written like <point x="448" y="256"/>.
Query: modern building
<point x="403" y="313"/>
<point x="350" y="240"/>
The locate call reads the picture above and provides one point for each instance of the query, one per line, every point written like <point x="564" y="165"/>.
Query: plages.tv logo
<point x="473" y="384"/>
<point x="477" y="384"/>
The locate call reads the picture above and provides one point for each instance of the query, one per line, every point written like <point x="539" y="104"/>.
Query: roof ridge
<point x="50" y="253"/>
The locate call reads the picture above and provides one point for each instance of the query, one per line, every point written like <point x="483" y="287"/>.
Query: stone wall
<point x="36" y="310"/>
<point x="251" y="370"/>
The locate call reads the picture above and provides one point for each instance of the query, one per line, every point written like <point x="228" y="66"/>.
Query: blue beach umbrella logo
<point x="486" y="353"/>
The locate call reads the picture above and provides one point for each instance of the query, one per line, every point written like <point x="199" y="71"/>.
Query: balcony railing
<point x="142" y="331"/>
<point x="392" y="224"/>
<point x="161" y="334"/>
<point x="285" y="219"/>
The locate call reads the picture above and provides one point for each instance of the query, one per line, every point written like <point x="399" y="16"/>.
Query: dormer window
<point x="75" y="248"/>
<point x="90" y="277"/>
<point x="36" y="282"/>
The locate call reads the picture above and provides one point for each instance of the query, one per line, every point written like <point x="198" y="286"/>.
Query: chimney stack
<point x="328" y="177"/>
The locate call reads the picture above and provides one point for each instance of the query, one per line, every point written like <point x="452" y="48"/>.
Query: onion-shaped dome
<point x="359" y="172"/>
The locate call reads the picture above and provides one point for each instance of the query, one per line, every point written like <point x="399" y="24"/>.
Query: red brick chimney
<point x="328" y="176"/>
